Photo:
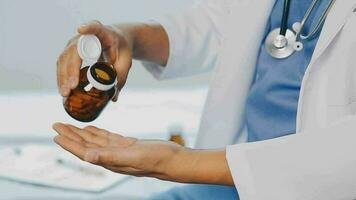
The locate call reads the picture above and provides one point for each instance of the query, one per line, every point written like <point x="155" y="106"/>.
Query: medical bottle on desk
<point x="176" y="134"/>
<point x="97" y="82"/>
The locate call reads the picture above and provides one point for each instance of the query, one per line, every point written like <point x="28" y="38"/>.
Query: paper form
<point x="53" y="167"/>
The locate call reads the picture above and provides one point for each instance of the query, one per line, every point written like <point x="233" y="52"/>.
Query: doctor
<point x="293" y="97"/>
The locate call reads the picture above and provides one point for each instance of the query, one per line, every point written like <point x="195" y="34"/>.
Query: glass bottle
<point x="96" y="86"/>
<point x="176" y="134"/>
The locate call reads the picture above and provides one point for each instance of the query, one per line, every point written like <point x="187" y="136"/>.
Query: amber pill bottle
<point x="176" y="134"/>
<point x="96" y="86"/>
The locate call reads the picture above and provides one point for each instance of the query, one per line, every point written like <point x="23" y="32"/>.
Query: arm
<point x="186" y="44"/>
<point x="148" y="41"/>
<point x="200" y="166"/>
<point x="159" y="159"/>
<point x="195" y="40"/>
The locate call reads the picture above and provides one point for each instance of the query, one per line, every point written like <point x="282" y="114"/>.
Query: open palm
<point x="115" y="152"/>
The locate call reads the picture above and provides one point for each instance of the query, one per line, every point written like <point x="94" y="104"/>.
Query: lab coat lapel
<point x="335" y="21"/>
<point x="223" y="116"/>
<point x="333" y="24"/>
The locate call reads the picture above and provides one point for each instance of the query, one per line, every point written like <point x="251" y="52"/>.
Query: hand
<point x="117" y="153"/>
<point x="152" y="158"/>
<point x="117" y="49"/>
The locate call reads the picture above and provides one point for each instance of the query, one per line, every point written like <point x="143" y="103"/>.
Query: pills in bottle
<point x="176" y="134"/>
<point x="96" y="86"/>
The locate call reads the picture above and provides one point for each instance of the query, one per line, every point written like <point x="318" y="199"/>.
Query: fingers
<point x="67" y="132"/>
<point x="68" y="66"/>
<point x="116" y="95"/>
<point x="84" y="152"/>
<point x="115" y="49"/>
<point x="69" y="62"/>
<point x="71" y="132"/>
<point x="86" y="143"/>
<point x="73" y="147"/>
<point x="94" y="137"/>
<point x="91" y="136"/>
<point x="108" y="38"/>
<point x="117" y="87"/>
<point x="93" y="27"/>
<point x="73" y="68"/>
<point x="69" y="140"/>
<point x="95" y="156"/>
<point x="61" y="75"/>
<point x="110" y="139"/>
<point x="113" y="54"/>
<point x="122" y="66"/>
<point x="97" y="131"/>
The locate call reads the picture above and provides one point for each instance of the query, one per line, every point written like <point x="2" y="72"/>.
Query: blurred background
<point x="33" y="33"/>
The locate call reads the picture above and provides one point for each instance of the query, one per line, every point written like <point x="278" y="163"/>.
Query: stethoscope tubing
<point x="315" y="30"/>
<point x="284" y="22"/>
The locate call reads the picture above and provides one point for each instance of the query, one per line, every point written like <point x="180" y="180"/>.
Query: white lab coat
<point x="319" y="161"/>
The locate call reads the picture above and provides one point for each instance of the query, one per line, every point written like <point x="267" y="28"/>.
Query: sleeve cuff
<point x="175" y="48"/>
<point x="240" y="170"/>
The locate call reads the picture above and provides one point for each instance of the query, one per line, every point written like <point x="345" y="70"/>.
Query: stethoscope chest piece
<point x="283" y="42"/>
<point x="279" y="46"/>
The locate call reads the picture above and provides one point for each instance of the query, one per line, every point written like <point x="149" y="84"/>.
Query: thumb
<point x="93" y="27"/>
<point x="100" y="156"/>
<point x="116" y="95"/>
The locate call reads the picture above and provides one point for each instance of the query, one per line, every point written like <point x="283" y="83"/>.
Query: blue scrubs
<point x="273" y="99"/>
<point x="272" y="103"/>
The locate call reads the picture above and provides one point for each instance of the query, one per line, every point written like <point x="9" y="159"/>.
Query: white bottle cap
<point x="95" y="83"/>
<point x="89" y="49"/>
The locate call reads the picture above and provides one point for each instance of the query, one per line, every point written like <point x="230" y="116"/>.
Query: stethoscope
<point x="283" y="42"/>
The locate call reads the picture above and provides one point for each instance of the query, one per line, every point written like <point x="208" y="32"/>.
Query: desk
<point x="130" y="189"/>
<point x="28" y="118"/>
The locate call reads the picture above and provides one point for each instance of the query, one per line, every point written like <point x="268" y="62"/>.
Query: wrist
<point x="199" y="166"/>
<point x="166" y="167"/>
<point x="211" y="167"/>
<point x="147" y="41"/>
<point x="180" y="165"/>
<point x="126" y="33"/>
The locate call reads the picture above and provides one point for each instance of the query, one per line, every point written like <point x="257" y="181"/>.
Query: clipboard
<point x="50" y="166"/>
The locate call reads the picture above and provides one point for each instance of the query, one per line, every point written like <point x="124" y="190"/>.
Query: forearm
<point x="199" y="166"/>
<point x="148" y="41"/>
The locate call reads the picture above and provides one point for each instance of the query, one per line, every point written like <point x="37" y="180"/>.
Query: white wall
<point x="34" y="32"/>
